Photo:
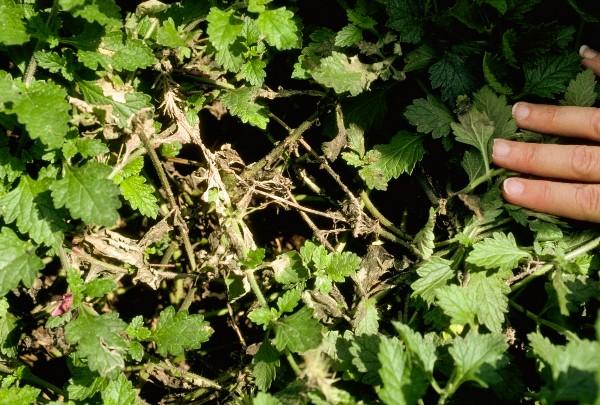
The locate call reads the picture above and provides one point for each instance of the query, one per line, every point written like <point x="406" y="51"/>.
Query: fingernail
<point x="587" y="52"/>
<point x="513" y="187"/>
<point x="501" y="148"/>
<point x="520" y="111"/>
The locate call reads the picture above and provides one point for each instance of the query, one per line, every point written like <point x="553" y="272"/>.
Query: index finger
<point x="580" y="122"/>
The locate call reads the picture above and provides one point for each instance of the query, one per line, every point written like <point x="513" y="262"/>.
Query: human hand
<point x="579" y="164"/>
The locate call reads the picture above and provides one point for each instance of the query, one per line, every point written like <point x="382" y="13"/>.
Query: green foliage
<point x="167" y="168"/>
<point x="178" y="331"/>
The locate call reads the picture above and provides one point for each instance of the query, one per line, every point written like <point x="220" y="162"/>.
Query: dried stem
<point x="179" y="222"/>
<point x="298" y="206"/>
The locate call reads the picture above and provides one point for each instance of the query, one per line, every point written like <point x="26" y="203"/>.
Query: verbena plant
<point x="280" y="202"/>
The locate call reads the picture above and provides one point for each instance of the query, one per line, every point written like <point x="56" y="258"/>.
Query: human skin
<point x="567" y="179"/>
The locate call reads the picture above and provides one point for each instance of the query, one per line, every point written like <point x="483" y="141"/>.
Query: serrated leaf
<point x="424" y="239"/>
<point x="348" y="36"/>
<point x="423" y="348"/>
<point x="88" y="194"/>
<point x="342" y="265"/>
<point x="475" y="129"/>
<point x="86" y="147"/>
<point x="122" y="111"/>
<point x="12" y="26"/>
<point x="406" y="17"/>
<point x="8" y="325"/>
<point x="549" y="75"/>
<point x="265" y="362"/>
<point x="366" y="317"/>
<point x="497" y="110"/>
<point x="449" y="75"/>
<point x="18" y="262"/>
<point x="263" y="316"/>
<point x="223" y="28"/>
<point x="278" y="28"/>
<point x="178" y="331"/>
<point x="29" y="204"/>
<point x="140" y="195"/>
<point x="457" y="303"/>
<point x="104" y="12"/>
<point x="167" y="35"/>
<point x="44" y="110"/>
<point x="489" y="294"/>
<point x="473" y="164"/>
<point x="498" y="252"/>
<point x="571" y="368"/>
<point x="433" y="274"/>
<point x="400" y="156"/>
<point x="581" y="90"/>
<point x="254" y="71"/>
<point x="119" y="391"/>
<point x="99" y="340"/>
<point x="288" y="301"/>
<point x="298" y="332"/>
<point x="401" y="384"/>
<point x="118" y="53"/>
<point x="419" y="58"/>
<point x="55" y="63"/>
<point x="473" y="353"/>
<point x="19" y="395"/>
<point x="344" y="74"/>
<point x="492" y="71"/>
<point x="241" y="103"/>
<point x="429" y="116"/>
<point x="137" y="330"/>
<point x="99" y="287"/>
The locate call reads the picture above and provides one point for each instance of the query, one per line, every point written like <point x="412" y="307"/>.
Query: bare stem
<point x="381" y="218"/>
<point x="32" y="65"/>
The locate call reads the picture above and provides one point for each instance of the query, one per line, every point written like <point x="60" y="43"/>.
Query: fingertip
<point x="521" y="111"/>
<point x="513" y="187"/>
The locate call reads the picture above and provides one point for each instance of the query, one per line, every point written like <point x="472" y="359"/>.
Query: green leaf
<point x="140" y="195"/>
<point x="570" y="369"/>
<point x="262" y="398"/>
<point x="422" y="348"/>
<point x="8" y="326"/>
<point x="494" y="73"/>
<point x="400" y="383"/>
<point x="119" y="391"/>
<point x="265" y="362"/>
<point x="44" y="111"/>
<point x="167" y="35"/>
<point x="366" y="317"/>
<point x="342" y="265"/>
<point x="489" y="296"/>
<point x="18" y="262"/>
<point x="582" y="90"/>
<point x="137" y="330"/>
<point x="474" y="354"/>
<point x="88" y="194"/>
<point x="458" y="303"/>
<point x="549" y="75"/>
<point x="406" y="17"/>
<point x="19" y="395"/>
<point x="99" y="340"/>
<point x="104" y="12"/>
<point x="29" y="204"/>
<point x="497" y="110"/>
<point x="475" y="129"/>
<point x="450" y="76"/>
<point x="118" y="53"/>
<point x="298" y="332"/>
<point x="99" y="287"/>
<point x="178" y="331"/>
<point x="278" y="28"/>
<point x="122" y="111"/>
<point x="400" y="156"/>
<point x="254" y="71"/>
<point x="498" y="252"/>
<point x="424" y="239"/>
<point x="344" y="74"/>
<point x="12" y="27"/>
<point x="348" y="36"/>
<point x="500" y="5"/>
<point x="433" y="274"/>
<point x="263" y="316"/>
<point x="223" y="28"/>
<point x="289" y="300"/>
<point x="473" y="164"/>
<point x="257" y="6"/>
<point x="86" y="147"/>
<point x="429" y="116"/>
<point x="241" y="103"/>
<point x="419" y="58"/>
